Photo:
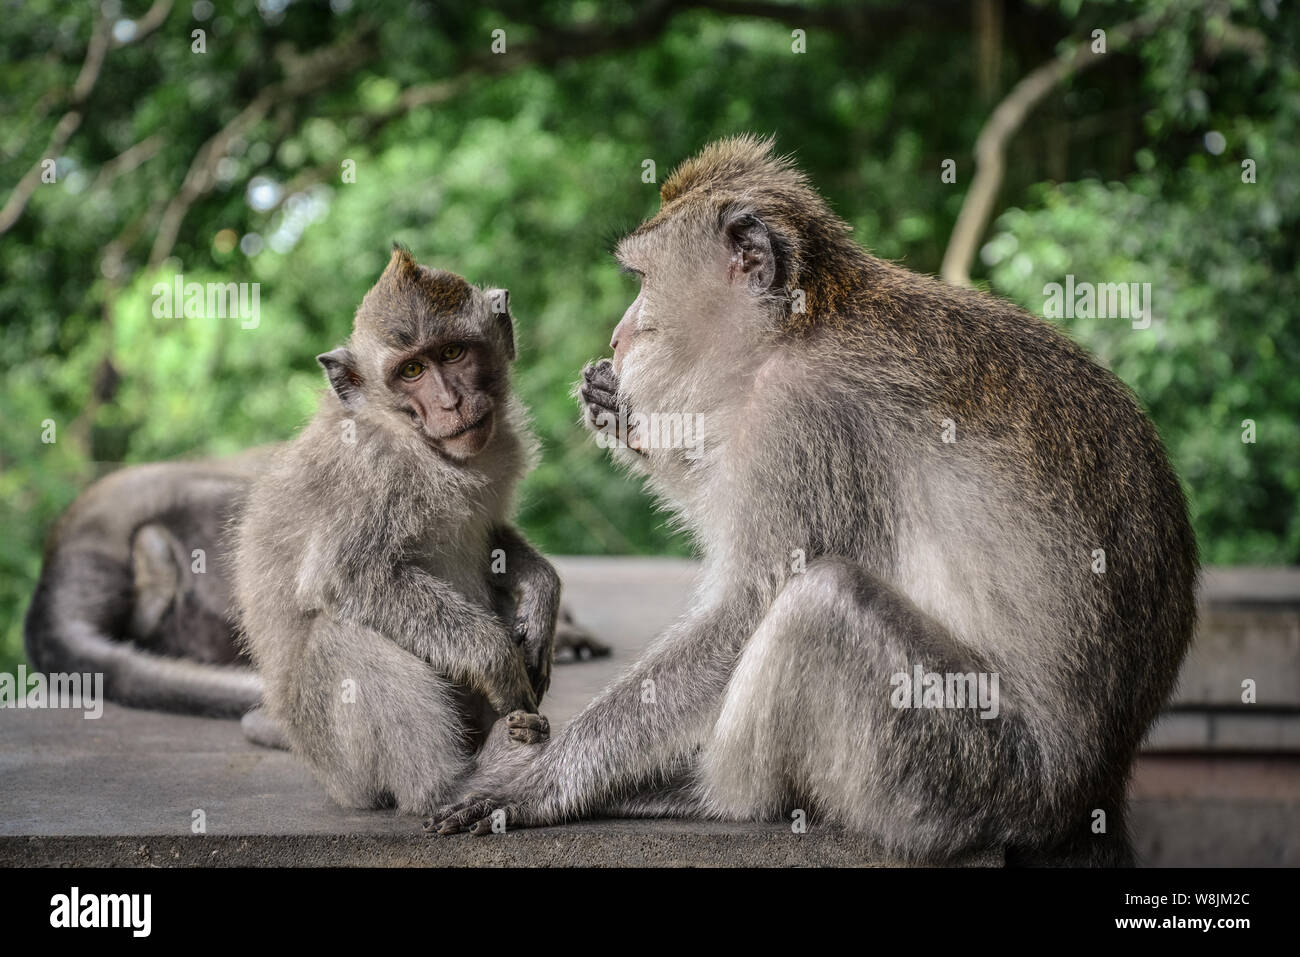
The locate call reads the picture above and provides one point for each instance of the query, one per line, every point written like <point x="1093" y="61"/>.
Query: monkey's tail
<point x="81" y="601"/>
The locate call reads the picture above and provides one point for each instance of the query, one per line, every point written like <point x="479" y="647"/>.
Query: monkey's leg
<point x="260" y="728"/>
<point x="379" y="725"/>
<point x="808" y="721"/>
<point x="679" y="798"/>
<point x="156" y="576"/>
<point x="169" y="613"/>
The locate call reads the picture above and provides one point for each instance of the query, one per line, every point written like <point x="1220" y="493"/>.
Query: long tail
<point x="81" y="601"/>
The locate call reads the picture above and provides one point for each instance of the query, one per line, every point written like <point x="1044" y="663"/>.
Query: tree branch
<point x="990" y="147"/>
<point x="577" y="44"/>
<point x="308" y="75"/>
<point x="96" y="52"/>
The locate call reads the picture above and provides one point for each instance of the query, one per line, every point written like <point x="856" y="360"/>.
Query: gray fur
<point x="364" y="577"/>
<point x="118" y="593"/>
<point x="824" y="440"/>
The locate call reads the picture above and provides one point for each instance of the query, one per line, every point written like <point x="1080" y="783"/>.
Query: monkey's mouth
<point x="467" y="429"/>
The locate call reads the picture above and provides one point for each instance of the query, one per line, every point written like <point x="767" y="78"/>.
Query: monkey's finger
<point x="447" y="810"/>
<point x="600" y="368"/>
<point x="602" y="373"/>
<point x="527" y="736"/>
<point x="484" y="825"/>
<point x="532" y="722"/>
<point x="607" y="399"/>
<point x="463" y="819"/>
<point x="602" y="420"/>
<point x="523" y="697"/>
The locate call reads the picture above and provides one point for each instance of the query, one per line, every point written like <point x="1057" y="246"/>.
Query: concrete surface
<point x="1218" y="810"/>
<point x="123" y="790"/>
<point x="1249" y="628"/>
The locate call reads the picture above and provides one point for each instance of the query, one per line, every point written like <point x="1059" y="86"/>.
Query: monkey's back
<point x="1015" y="490"/>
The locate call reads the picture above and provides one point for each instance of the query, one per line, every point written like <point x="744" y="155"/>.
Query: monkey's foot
<point x="528" y="728"/>
<point x="478" y="816"/>
<point x="574" y="643"/>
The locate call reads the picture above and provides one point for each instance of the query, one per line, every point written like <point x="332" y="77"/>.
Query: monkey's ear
<point x="341" y="367"/>
<point x="499" y="303"/>
<point x="756" y="252"/>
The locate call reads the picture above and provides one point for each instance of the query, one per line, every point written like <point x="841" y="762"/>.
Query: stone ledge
<point x="621" y="843"/>
<point x="121" y="790"/>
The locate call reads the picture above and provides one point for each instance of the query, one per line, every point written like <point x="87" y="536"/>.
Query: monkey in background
<point x="136" y="584"/>
<point x="372" y="553"/>
<point x="895" y="474"/>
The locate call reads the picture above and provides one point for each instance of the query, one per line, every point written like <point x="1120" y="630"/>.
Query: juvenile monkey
<point x="373" y="554"/>
<point x="897" y="478"/>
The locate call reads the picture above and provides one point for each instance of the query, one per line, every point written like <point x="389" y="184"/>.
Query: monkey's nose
<point x="624" y="327"/>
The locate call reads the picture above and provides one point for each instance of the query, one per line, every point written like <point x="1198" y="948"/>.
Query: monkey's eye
<point x="451" y="352"/>
<point x="411" y="370"/>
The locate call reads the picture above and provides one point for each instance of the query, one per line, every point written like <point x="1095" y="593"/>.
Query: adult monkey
<point x="970" y="493"/>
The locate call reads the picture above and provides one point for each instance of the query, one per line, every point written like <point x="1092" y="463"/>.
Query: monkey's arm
<point x="536" y="589"/>
<point x="433" y="621"/>
<point x="642" y="727"/>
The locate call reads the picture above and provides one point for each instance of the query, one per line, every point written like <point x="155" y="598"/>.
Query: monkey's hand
<point x="478" y="814"/>
<point x="533" y="590"/>
<point x="526" y="728"/>
<point x="508" y="686"/>
<point x="534" y="627"/>
<point x="489" y="811"/>
<point x="598" y="393"/>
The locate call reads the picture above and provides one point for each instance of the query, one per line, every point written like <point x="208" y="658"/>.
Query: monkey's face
<point x="429" y="354"/>
<point x="693" y="314"/>
<point x="448" y="391"/>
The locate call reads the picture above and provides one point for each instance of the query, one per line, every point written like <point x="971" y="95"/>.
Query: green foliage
<point x="523" y="175"/>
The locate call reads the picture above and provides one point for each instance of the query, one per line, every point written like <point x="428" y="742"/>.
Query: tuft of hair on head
<point x="763" y="200"/>
<point x="406" y="296"/>
<point x="732" y="163"/>
<point x="401" y="263"/>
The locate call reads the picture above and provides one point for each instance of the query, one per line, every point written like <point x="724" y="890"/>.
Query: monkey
<point x="897" y="477"/>
<point x="136" y="584"/>
<point x="370" y="552"/>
